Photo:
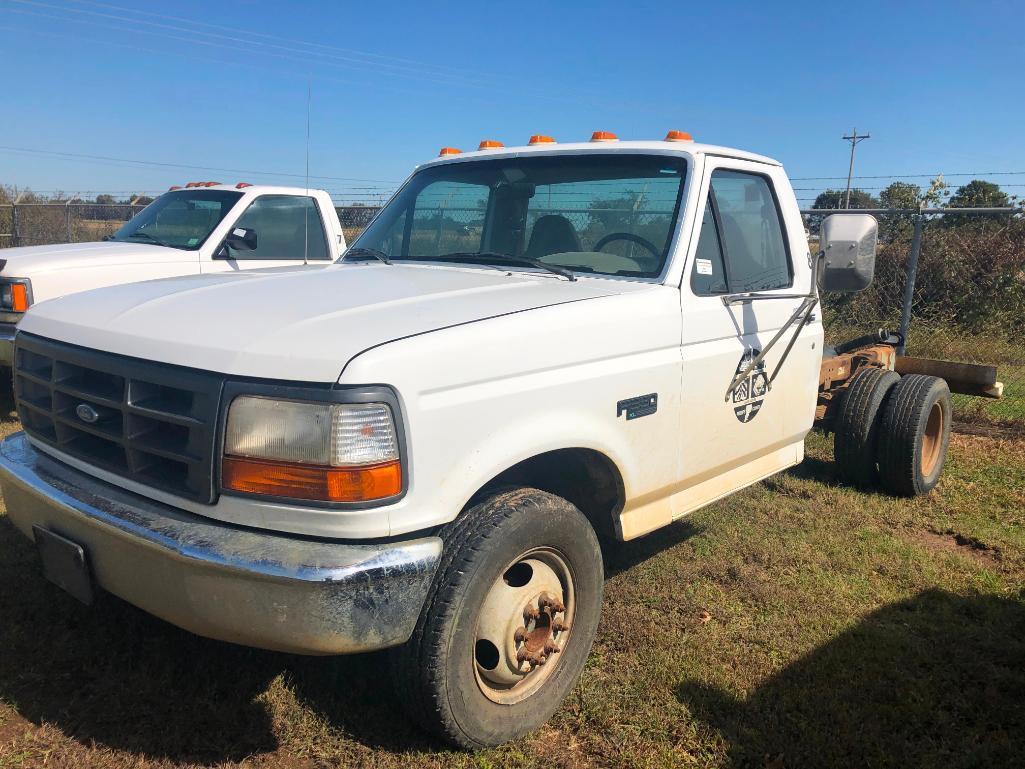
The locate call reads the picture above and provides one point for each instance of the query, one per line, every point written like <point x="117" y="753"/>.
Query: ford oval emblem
<point x="87" y="413"/>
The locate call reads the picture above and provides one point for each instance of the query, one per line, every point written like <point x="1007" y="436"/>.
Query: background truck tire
<point x="914" y="435"/>
<point x="856" y="432"/>
<point x="437" y="673"/>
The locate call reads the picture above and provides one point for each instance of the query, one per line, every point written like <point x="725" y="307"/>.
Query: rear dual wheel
<point x="893" y="430"/>
<point x="914" y="435"/>
<point x="856" y="434"/>
<point x="506" y="630"/>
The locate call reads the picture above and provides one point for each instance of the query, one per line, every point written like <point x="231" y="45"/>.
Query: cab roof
<point x="263" y="189"/>
<point x="552" y="148"/>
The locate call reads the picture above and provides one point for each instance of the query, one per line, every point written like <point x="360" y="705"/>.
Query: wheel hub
<point x="535" y="640"/>
<point x="523" y="624"/>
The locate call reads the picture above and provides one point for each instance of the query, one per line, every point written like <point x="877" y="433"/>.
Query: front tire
<point x="509" y="622"/>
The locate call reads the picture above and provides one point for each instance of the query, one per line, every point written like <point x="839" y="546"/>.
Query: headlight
<point x="15" y="294"/>
<point x="331" y="452"/>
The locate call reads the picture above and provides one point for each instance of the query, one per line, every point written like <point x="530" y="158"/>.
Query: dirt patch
<point x="12" y="725"/>
<point x="952" y="542"/>
<point x="1014" y="431"/>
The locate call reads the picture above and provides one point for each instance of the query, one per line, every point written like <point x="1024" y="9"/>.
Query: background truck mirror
<point x="849" y="246"/>
<point x="241" y="239"/>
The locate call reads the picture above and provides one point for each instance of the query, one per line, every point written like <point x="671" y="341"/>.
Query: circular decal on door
<point x="748" y="397"/>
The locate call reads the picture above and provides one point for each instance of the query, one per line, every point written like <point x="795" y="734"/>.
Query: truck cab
<point x="199" y="228"/>
<point x="531" y="351"/>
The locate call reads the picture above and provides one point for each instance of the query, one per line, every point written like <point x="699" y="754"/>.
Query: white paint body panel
<point x="493" y="367"/>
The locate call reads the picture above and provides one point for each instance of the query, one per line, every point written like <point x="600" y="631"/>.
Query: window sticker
<point x="704" y="266"/>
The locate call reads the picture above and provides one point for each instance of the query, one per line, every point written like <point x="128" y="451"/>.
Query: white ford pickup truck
<point x="530" y="352"/>
<point x="203" y="227"/>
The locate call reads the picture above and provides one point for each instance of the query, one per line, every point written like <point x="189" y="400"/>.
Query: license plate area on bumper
<point x="64" y="564"/>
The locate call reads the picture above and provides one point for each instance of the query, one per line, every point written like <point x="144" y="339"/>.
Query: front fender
<point x="479" y="398"/>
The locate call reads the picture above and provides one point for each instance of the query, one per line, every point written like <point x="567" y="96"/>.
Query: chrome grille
<point x="149" y="422"/>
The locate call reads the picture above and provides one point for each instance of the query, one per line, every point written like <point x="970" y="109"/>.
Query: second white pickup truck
<point x="421" y="447"/>
<point x="200" y="228"/>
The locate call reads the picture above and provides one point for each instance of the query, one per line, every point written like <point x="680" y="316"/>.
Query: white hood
<point x="26" y="261"/>
<point x="301" y="325"/>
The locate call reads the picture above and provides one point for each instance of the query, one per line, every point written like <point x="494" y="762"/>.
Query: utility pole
<point x="854" y="138"/>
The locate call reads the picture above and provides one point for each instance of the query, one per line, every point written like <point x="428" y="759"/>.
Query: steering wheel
<point x="630" y="237"/>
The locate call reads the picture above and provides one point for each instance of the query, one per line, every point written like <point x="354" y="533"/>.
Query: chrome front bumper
<point x="7" y="344"/>
<point x="259" y="589"/>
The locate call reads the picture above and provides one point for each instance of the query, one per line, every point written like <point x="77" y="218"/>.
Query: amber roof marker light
<point x="541" y="139"/>
<point x="446" y="151"/>
<point x="679" y="136"/>
<point x="604" y="136"/>
<point x="490" y="144"/>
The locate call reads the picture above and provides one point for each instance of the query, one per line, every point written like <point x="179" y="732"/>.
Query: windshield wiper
<point x="146" y="235"/>
<point x="493" y="256"/>
<point x="361" y="251"/>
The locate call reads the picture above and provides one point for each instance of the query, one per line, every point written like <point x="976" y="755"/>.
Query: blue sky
<point x="940" y="85"/>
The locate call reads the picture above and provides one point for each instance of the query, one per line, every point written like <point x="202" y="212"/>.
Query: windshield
<point x="182" y="219"/>
<point x="607" y="214"/>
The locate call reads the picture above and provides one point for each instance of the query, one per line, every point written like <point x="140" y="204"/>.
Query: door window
<point x="708" y="275"/>
<point x="746" y="232"/>
<point x="287" y="227"/>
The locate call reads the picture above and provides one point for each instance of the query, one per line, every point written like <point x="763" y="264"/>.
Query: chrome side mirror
<point x="849" y="249"/>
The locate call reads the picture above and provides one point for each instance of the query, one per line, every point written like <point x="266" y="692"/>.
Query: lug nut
<point x="520" y="635"/>
<point x="560" y="627"/>
<point x="531" y="613"/>
<point x="551" y="648"/>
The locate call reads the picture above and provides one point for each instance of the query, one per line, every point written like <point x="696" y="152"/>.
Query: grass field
<point x="799" y="623"/>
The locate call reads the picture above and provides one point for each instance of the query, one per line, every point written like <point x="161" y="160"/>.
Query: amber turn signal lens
<point x="315" y="482"/>
<point x="19" y="297"/>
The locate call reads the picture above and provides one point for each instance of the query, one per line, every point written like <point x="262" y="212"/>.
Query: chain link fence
<point x="34" y="224"/>
<point x="962" y="288"/>
<point x="44" y="223"/>
<point x="954" y="281"/>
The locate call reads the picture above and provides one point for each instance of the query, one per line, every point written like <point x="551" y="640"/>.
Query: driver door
<point x="289" y="230"/>
<point x="742" y="246"/>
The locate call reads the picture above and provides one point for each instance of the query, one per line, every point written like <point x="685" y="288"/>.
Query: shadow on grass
<point x="937" y="680"/>
<point x="112" y="675"/>
<point x="621" y="556"/>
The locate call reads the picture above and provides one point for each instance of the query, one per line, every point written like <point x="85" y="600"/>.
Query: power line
<point x="251" y="172"/>
<point x="253" y="33"/>
<point x="877" y="189"/>
<point x="905" y="176"/>
<point x="421" y="72"/>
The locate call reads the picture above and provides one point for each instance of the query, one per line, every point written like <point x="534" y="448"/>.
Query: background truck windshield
<point x="609" y="214"/>
<point x="181" y="219"/>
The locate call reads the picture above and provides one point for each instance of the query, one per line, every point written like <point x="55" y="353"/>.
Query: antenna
<point x="854" y="138"/>
<point x="306" y="211"/>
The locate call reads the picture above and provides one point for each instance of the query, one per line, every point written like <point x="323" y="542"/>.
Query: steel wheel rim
<point x="932" y="440"/>
<point x="506" y="639"/>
